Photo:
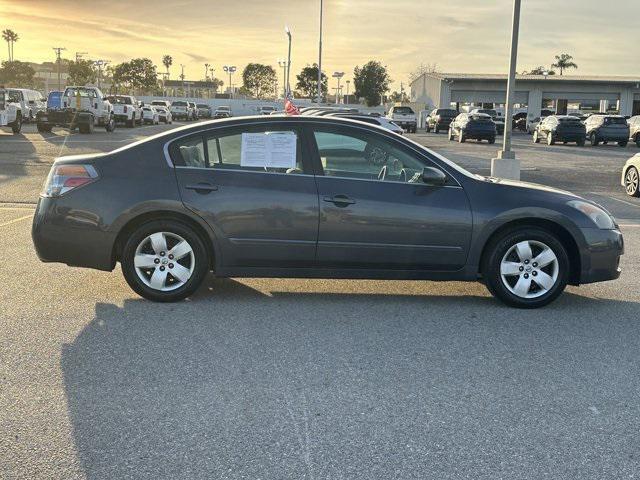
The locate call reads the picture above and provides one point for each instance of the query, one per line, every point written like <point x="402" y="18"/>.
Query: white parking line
<point x="625" y="202"/>
<point x="15" y="220"/>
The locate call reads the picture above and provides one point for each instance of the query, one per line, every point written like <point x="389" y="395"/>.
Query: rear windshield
<point x="179" y="104"/>
<point x="570" y="121"/>
<point x="403" y="110"/>
<point x="159" y="102"/>
<point x="120" y="100"/>
<point x="491" y="113"/>
<point x="480" y="118"/>
<point x="224" y="109"/>
<point x="615" y="121"/>
<point x="203" y="105"/>
<point x="446" y="112"/>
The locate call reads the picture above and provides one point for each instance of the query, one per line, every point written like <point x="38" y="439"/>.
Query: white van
<point x="31" y="102"/>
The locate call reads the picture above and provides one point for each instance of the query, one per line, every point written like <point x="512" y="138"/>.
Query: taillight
<point x="63" y="178"/>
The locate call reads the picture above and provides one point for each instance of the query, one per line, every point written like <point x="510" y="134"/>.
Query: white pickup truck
<point x="404" y="117"/>
<point x="10" y="112"/>
<point x="126" y="109"/>
<point x="82" y="108"/>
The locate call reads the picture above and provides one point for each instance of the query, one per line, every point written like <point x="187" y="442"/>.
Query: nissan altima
<point x="319" y="197"/>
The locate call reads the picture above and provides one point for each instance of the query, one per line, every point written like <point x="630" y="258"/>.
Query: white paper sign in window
<point x="269" y="149"/>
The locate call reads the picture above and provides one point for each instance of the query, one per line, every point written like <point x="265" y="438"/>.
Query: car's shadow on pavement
<point x="237" y="383"/>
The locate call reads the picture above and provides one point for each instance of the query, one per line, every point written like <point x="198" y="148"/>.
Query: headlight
<point x="598" y="215"/>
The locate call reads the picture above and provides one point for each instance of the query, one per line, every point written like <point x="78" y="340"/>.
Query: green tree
<point x="539" y="70"/>
<point x="10" y="37"/>
<point x="307" y="85"/>
<point x="259" y="79"/>
<point x="370" y="82"/>
<point x="563" y="62"/>
<point x="82" y="72"/>
<point x="16" y="74"/>
<point x="398" y="97"/>
<point x="167" y="61"/>
<point x="137" y="75"/>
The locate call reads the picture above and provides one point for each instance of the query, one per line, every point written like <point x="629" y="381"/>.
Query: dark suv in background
<point x="560" y="128"/>
<point x="607" y="128"/>
<point x="478" y="126"/>
<point x="440" y="119"/>
<point x="634" y="129"/>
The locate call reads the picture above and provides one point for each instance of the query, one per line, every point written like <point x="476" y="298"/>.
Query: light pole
<point x="206" y="71"/>
<point x="506" y="165"/>
<point x="100" y="64"/>
<point x="348" y="82"/>
<point x="288" y="32"/>
<point x="338" y="75"/>
<point x="58" y="50"/>
<point x="320" y="59"/>
<point x="283" y="64"/>
<point x="230" y="69"/>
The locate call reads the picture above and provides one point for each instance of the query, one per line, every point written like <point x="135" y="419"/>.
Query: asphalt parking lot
<point x="313" y="379"/>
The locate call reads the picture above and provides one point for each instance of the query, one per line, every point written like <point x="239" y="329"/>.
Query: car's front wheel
<point x="631" y="181"/>
<point x="526" y="267"/>
<point x="164" y="261"/>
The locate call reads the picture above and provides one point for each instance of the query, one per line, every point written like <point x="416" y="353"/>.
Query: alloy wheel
<point x="631" y="181"/>
<point x="529" y="269"/>
<point x="164" y="261"/>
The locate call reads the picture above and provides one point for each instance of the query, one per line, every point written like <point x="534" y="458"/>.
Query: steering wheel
<point x="383" y="173"/>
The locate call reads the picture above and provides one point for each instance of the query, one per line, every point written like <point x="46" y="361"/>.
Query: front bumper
<point x="601" y="255"/>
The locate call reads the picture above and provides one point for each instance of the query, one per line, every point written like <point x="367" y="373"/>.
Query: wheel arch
<point x="566" y="237"/>
<point x="133" y="223"/>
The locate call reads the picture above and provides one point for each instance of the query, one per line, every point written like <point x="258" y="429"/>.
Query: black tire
<point x="498" y="248"/>
<point x="110" y="125"/>
<point x="436" y="129"/>
<point x="450" y="134"/>
<point x="201" y="258"/>
<point x="16" y="126"/>
<point x="637" y="140"/>
<point x="536" y="138"/>
<point x="131" y="123"/>
<point x="461" y="138"/>
<point x="632" y="182"/>
<point x="594" y="139"/>
<point x="492" y="140"/>
<point x="623" y="143"/>
<point x="580" y="142"/>
<point x="428" y="128"/>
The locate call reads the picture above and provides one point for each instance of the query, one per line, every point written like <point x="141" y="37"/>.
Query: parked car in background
<point x="150" y="115"/>
<point x="404" y="117"/>
<point x="348" y="200"/>
<point x="161" y="103"/>
<point x="631" y="176"/>
<point x="634" y="129"/>
<point x="83" y="108"/>
<point x="497" y="119"/>
<point x="126" y="109"/>
<point x="607" y="128"/>
<point x="31" y="102"/>
<point x="10" y="111"/>
<point x="180" y="110"/>
<point x="54" y="100"/>
<point x="519" y="121"/>
<point x="478" y="126"/>
<point x="380" y="121"/>
<point x="223" y="111"/>
<point x="560" y="128"/>
<point x="204" y="110"/>
<point x="266" y="109"/>
<point x="164" y="115"/>
<point x="532" y="123"/>
<point x="193" y="111"/>
<point x="440" y="119"/>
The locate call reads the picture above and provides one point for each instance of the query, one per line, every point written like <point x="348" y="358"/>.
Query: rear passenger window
<point x="190" y="152"/>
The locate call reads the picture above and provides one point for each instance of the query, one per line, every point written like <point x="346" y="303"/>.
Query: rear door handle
<point x="339" y="200"/>
<point x="202" y="187"/>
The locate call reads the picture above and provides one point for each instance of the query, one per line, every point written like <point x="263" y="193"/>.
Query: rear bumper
<point x="601" y="255"/>
<point x="68" y="236"/>
<point x="479" y="134"/>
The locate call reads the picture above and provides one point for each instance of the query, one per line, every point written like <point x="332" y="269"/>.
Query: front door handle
<point x="339" y="200"/>
<point x="202" y="187"/>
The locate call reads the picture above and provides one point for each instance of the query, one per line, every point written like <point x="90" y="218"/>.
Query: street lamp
<point x="283" y="64"/>
<point x="100" y="64"/>
<point x="506" y="165"/>
<point x="288" y="32"/>
<point x="348" y="82"/>
<point x="230" y="69"/>
<point x="320" y="58"/>
<point x="206" y="71"/>
<point x="338" y="75"/>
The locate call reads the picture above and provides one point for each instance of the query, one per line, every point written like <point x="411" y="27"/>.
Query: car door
<point x="375" y="211"/>
<point x="262" y="216"/>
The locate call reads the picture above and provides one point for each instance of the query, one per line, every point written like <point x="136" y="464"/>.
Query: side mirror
<point x="433" y="176"/>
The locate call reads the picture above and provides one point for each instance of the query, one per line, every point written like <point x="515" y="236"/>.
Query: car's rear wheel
<point x="526" y="267"/>
<point x="131" y="123"/>
<point x="492" y="140"/>
<point x="580" y="142"/>
<point x="623" y="143"/>
<point x="164" y="261"/>
<point x="637" y="140"/>
<point x="594" y="139"/>
<point x="16" y="126"/>
<point x="631" y="181"/>
<point x="461" y="138"/>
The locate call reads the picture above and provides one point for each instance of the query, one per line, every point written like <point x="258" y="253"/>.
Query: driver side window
<point x="365" y="156"/>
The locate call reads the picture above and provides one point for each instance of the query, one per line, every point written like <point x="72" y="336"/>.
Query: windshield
<point x="403" y="110"/>
<point x="203" y="105"/>
<point x="446" y="112"/>
<point x="223" y="109"/>
<point x="83" y="92"/>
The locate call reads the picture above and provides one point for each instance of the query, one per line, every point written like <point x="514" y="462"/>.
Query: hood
<point x="529" y="186"/>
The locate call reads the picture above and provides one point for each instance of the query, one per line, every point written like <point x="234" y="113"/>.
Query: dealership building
<point x="533" y="92"/>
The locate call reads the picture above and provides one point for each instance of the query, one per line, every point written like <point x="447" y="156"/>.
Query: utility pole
<point x="182" y="79"/>
<point x="506" y="165"/>
<point x="230" y="69"/>
<point x="58" y="50"/>
<point x="206" y="71"/>
<point x="348" y="82"/>
<point x="288" y="32"/>
<point x="100" y="64"/>
<point x="320" y="59"/>
<point x="283" y="64"/>
<point x="338" y="75"/>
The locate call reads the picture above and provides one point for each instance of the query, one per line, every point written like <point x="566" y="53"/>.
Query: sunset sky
<point x="457" y="35"/>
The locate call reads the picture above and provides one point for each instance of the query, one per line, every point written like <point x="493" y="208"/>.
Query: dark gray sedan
<point x="314" y="197"/>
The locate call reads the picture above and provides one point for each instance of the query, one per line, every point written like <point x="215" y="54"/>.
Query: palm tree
<point x="167" y="61"/>
<point x="564" y="61"/>
<point x="8" y="36"/>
